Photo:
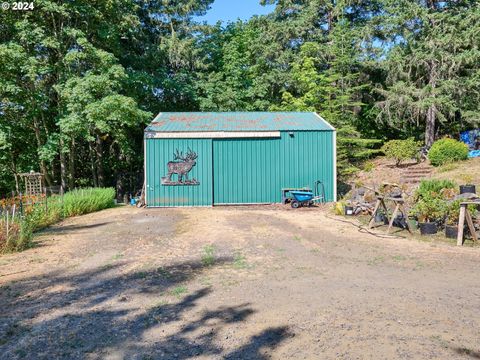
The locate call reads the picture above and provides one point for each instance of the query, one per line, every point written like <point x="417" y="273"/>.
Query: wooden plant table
<point x="465" y="215"/>
<point x="399" y="206"/>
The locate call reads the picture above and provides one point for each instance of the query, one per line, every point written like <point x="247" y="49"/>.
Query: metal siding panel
<point x="307" y="157"/>
<point x="246" y="171"/>
<point x="159" y="152"/>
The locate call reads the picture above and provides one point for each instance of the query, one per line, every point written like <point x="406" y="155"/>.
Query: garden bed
<point x="23" y="216"/>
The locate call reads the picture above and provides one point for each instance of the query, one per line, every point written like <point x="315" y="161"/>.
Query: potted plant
<point x="451" y="219"/>
<point x="429" y="210"/>
<point x="468" y="187"/>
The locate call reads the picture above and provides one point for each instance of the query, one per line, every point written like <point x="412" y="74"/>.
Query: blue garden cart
<point x="308" y="198"/>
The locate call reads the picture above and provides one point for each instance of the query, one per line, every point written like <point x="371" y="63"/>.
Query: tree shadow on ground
<point x="109" y="311"/>
<point x="61" y="229"/>
<point x="467" y="352"/>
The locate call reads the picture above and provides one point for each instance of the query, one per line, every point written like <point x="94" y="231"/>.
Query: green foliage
<point x="434" y="200"/>
<point x="453" y="212"/>
<point x="432" y="73"/>
<point x="79" y="80"/>
<point x="401" y="150"/>
<point x="429" y="209"/>
<point x="433" y="188"/>
<point x="446" y="151"/>
<point x="352" y="149"/>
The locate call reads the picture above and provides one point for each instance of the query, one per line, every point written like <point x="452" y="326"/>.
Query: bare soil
<point x="236" y="283"/>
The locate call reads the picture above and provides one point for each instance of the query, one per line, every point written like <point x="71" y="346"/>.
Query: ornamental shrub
<point x="433" y="187"/>
<point x="430" y="209"/>
<point x="446" y="151"/>
<point x="401" y="150"/>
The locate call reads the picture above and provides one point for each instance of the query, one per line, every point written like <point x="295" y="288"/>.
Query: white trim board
<point x="212" y="134"/>
<point x="335" y="166"/>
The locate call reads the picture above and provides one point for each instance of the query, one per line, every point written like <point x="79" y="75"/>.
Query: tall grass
<point x="84" y="201"/>
<point x="56" y="208"/>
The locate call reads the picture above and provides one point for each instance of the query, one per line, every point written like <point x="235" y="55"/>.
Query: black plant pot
<point x="348" y="210"/>
<point x="464" y="189"/>
<point x="429" y="228"/>
<point x="451" y="231"/>
<point x="399" y="222"/>
<point x="379" y="217"/>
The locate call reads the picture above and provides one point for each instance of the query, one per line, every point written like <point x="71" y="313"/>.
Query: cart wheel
<point x="295" y="204"/>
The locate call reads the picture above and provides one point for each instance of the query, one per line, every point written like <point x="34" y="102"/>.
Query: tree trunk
<point x="43" y="166"/>
<point x="92" y="163"/>
<point x="430" y="126"/>
<point x="63" y="168"/>
<point x="119" y="176"/>
<point x="71" y="165"/>
<point x="15" y="175"/>
<point x="432" y="110"/>
<point x="99" y="154"/>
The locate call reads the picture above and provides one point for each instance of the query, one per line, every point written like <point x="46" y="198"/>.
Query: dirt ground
<point x="236" y="283"/>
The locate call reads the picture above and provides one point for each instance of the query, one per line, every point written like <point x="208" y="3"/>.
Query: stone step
<point x="411" y="181"/>
<point x="421" y="171"/>
<point x="413" y="176"/>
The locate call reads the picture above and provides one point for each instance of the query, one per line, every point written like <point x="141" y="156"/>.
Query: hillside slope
<point x="410" y="174"/>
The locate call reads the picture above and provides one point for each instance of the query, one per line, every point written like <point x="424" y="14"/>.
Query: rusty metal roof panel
<point x="237" y="121"/>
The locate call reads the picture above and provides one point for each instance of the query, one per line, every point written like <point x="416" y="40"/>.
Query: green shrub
<point x="430" y="209"/>
<point x="401" y="150"/>
<point x="433" y="187"/>
<point x="432" y="201"/>
<point x="446" y="151"/>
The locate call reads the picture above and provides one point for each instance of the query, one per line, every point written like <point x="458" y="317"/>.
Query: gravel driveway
<point x="236" y="283"/>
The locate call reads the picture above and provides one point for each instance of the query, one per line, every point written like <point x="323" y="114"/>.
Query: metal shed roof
<point x="237" y="122"/>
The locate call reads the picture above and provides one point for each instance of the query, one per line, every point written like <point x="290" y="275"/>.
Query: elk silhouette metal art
<point x="181" y="166"/>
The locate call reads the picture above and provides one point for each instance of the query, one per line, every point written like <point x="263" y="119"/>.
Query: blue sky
<point x="231" y="10"/>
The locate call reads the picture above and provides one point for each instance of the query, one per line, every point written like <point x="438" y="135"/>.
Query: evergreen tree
<point x="432" y="70"/>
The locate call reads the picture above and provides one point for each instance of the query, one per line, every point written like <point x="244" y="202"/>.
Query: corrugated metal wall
<point x="158" y="153"/>
<point x="242" y="171"/>
<point x="255" y="170"/>
<point x="246" y="171"/>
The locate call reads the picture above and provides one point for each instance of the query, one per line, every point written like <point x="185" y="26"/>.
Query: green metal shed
<point x="206" y="159"/>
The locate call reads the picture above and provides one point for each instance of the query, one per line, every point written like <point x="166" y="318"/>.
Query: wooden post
<point x="394" y="215"/>
<point x="372" y="220"/>
<point x="461" y="223"/>
<point x="386" y="209"/>
<point x="470" y="225"/>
